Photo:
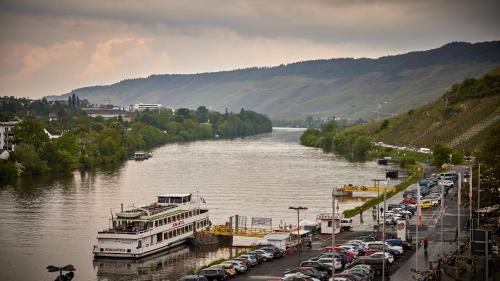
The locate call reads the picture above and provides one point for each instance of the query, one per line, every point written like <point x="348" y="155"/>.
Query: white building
<point x="7" y="135"/>
<point x="326" y="223"/>
<point x="143" y="106"/>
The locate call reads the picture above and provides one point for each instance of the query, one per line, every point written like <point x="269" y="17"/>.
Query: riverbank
<point x="415" y="174"/>
<point x="90" y="142"/>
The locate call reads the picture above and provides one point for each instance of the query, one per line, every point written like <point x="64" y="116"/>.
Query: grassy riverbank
<point x="415" y="174"/>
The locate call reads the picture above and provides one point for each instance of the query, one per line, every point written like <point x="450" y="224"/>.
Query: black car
<point x="317" y="265"/>
<point x="213" y="274"/>
<point x="314" y="273"/>
<point x="277" y="252"/>
<point x="376" y="263"/>
<point x="193" y="278"/>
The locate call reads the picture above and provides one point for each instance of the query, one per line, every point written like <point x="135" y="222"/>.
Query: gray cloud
<point x="197" y="36"/>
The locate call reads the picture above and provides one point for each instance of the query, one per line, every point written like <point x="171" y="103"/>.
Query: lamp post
<point x="66" y="277"/>
<point x="298" y="230"/>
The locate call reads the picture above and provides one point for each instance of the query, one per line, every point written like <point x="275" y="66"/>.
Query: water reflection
<point x="168" y="265"/>
<point x="54" y="219"/>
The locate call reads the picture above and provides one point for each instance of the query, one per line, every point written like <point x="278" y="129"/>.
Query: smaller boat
<point x="141" y="156"/>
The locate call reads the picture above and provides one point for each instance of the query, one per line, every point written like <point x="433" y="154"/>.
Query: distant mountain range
<point x="345" y="87"/>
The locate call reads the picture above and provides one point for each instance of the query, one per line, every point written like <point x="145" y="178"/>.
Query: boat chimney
<point x="121" y="208"/>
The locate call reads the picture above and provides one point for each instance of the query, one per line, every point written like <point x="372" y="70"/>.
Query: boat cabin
<point x="174" y="198"/>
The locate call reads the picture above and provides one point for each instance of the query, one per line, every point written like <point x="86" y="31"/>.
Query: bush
<point x="31" y="163"/>
<point x="7" y="170"/>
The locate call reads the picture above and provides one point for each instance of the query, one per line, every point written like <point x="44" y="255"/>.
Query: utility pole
<point x="333" y="233"/>
<point x="470" y="209"/>
<point x="377" y="184"/>
<point x="383" y="233"/>
<point x="478" y="189"/>
<point x="442" y="214"/>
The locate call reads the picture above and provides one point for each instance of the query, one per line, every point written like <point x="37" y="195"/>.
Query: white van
<point x="346" y="224"/>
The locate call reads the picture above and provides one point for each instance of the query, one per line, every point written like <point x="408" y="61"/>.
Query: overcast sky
<point x="53" y="46"/>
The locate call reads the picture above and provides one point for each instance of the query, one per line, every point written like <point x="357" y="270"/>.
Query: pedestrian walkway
<point x="405" y="271"/>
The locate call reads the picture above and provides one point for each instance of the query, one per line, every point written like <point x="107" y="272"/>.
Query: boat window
<point x="178" y="217"/>
<point x="156" y="223"/>
<point x="169" y="219"/>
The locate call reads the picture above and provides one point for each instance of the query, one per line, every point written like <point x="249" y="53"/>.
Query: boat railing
<point x="113" y="231"/>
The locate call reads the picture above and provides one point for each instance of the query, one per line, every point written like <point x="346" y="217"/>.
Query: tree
<point x="441" y="154"/>
<point x="30" y="132"/>
<point x="384" y="124"/>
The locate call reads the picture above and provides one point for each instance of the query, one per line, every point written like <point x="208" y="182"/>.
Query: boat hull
<point x="98" y="254"/>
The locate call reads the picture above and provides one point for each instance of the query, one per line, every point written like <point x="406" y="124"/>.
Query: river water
<point x="54" y="221"/>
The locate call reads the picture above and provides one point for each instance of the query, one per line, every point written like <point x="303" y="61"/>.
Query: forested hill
<point x="350" y="88"/>
<point x="461" y="118"/>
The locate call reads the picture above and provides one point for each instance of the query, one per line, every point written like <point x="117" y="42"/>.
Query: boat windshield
<point x="129" y="225"/>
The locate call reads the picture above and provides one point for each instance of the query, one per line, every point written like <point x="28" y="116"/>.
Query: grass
<point x="415" y="174"/>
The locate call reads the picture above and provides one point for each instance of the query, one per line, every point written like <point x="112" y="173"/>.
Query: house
<point x="109" y="113"/>
<point x="7" y="135"/>
<point x="51" y="136"/>
<point x="143" y="106"/>
<point x="4" y="154"/>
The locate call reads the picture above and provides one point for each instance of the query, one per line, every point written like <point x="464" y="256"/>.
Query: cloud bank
<point x="53" y="46"/>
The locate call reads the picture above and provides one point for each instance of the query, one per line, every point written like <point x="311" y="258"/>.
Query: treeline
<point x="87" y="142"/>
<point x="331" y="138"/>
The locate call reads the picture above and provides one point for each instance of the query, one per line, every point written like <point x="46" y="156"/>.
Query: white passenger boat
<point x="138" y="232"/>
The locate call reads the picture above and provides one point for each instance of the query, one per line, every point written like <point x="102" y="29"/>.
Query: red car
<point x="340" y="250"/>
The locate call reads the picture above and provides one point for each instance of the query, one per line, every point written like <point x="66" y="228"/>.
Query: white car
<point x="446" y="183"/>
<point x="329" y="261"/>
<point x="238" y="266"/>
<point x="298" y="274"/>
<point x="388" y="257"/>
<point x="402" y="212"/>
<point x="393" y="214"/>
<point x="267" y="255"/>
<point x="357" y="242"/>
<point x="387" y="245"/>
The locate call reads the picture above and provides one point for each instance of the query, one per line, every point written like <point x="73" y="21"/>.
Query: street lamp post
<point x="298" y="231"/>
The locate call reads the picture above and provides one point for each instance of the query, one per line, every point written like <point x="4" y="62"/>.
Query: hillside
<point x="460" y="118"/>
<point x="350" y="88"/>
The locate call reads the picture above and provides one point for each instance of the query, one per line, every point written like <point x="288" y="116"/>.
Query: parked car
<point x="193" y="278"/>
<point x="311" y="272"/>
<point x="388" y="257"/>
<point x="253" y="260"/>
<point x="335" y="263"/>
<point x="361" y="276"/>
<point x="293" y="277"/>
<point x="230" y="270"/>
<point x="266" y="254"/>
<point x="446" y="183"/>
<point x="364" y="268"/>
<point x="317" y="265"/>
<point x="378" y="244"/>
<point x="376" y="263"/>
<point x="277" y="252"/>
<point x="399" y="242"/>
<point x="214" y="274"/>
<point x="426" y="204"/>
<point x="238" y="266"/>
<point x="247" y="263"/>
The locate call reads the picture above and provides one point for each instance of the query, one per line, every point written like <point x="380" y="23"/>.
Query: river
<point x="54" y="221"/>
